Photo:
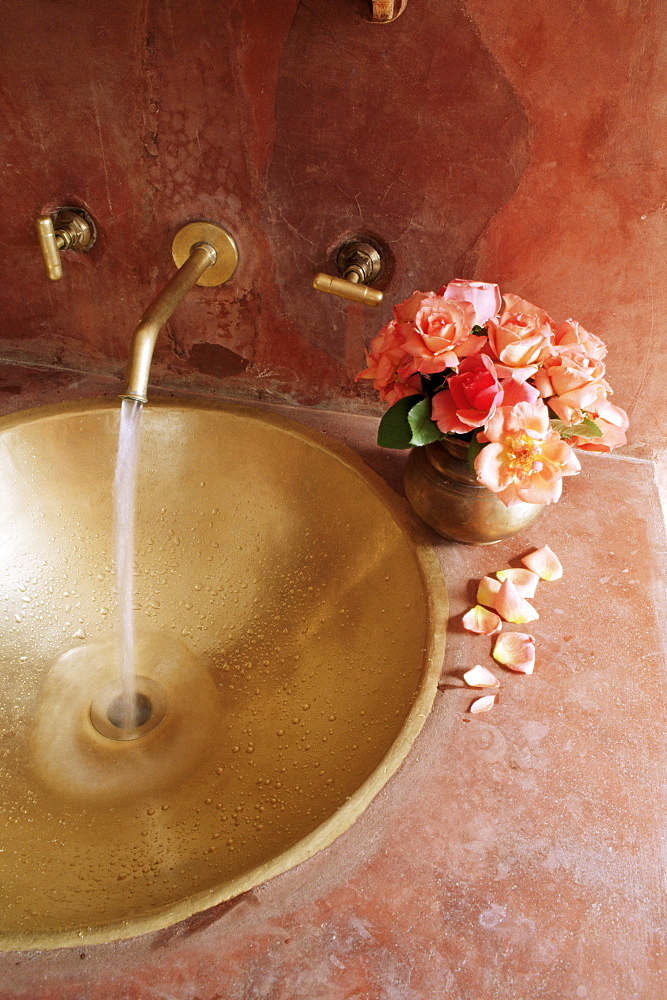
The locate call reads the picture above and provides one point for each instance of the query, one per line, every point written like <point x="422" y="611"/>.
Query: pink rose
<point x="470" y="398"/>
<point x="387" y="361"/>
<point x="518" y="392"/>
<point x="525" y="459"/>
<point x="483" y="297"/>
<point x="437" y="327"/>
<point x="522" y="337"/>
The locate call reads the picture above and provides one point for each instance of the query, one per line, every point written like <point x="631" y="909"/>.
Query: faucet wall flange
<point x="224" y="244"/>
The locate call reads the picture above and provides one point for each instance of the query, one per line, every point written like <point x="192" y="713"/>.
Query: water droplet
<point x="79" y="634"/>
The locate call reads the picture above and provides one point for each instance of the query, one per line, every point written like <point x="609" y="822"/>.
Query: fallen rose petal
<point x="516" y="650"/>
<point x="480" y="677"/>
<point x="487" y="591"/>
<point x="524" y="580"/>
<point x="483" y="704"/>
<point x="511" y="606"/>
<point x="482" y="621"/>
<point x="545" y="563"/>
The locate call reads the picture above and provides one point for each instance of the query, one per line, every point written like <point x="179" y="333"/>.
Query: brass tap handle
<point x="354" y="291"/>
<point x="386" y="11"/>
<point x="359" y="263"/>
<point x="50" y="247"/>
<point x="71" y="231"/>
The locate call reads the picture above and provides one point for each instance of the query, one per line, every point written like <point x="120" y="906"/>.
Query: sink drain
<point x="108" y="710"/>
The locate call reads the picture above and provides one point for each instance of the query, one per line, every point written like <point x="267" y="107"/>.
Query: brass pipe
<point x="201" y="257"/>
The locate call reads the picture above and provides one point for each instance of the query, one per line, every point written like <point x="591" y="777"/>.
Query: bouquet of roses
<point x="498" y="371"/>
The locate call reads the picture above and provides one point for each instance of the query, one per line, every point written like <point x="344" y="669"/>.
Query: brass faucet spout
<point x="205" y="254"/>
<point x="201" y="257"/>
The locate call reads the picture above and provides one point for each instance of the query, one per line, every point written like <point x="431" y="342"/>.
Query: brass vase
<point x="443" y="490"/>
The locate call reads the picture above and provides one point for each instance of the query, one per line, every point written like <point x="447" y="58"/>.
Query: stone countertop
<point x="519" y="854"/>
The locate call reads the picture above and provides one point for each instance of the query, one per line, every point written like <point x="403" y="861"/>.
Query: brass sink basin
<point x="291" y="611"/>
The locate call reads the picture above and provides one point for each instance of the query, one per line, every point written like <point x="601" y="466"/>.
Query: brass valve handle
<point x="386" y="11"/>
<point x="359" y="263"/>
<point x="71" y="231"/>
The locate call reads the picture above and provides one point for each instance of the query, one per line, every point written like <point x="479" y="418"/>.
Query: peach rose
<point x="437" y="327"/>
<point x="572" y="381"/>
<point x="570" y="334"/>
<point x="612" y="421"/>
<point x="387" y="361"/>
<point x="525" y="459"/>
<point x="522" y="337"/>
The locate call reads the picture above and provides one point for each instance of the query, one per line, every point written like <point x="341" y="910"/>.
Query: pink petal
<point x="483" y="704"/>
<point x="511" y="606"/>
<point x="545" y="563"/>
<point x="479" y="620"/>
<point x="487" y="591"/>
<point x="480" y="677"/>
<point x="516" y="650"/>
<point x="524" y="580"/>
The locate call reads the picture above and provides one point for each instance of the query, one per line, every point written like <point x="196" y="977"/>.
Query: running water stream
<point x="124" y="493"/>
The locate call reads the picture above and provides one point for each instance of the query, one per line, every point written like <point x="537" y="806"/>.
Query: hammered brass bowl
<point x="286" y="606"/>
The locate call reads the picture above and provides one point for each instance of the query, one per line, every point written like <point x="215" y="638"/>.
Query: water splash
<point x="124" y="495"/>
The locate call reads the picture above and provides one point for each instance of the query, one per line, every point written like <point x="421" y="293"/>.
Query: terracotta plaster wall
<point x="518" y="143"/>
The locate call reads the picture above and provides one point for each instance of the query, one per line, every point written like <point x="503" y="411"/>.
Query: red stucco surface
<point x="511" y="143"/>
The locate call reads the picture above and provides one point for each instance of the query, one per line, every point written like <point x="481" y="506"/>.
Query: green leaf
<point x="474" y="449"/>
<point x="586" y="429"/>
<point x="424" y="429"/>
<point x="394" y="430"/>
<point x="479" y="331"/>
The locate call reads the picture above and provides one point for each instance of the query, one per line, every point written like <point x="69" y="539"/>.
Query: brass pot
<point x="443" y="490"/>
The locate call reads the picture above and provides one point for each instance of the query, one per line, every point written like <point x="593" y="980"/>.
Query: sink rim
<point x="436" y="609"/>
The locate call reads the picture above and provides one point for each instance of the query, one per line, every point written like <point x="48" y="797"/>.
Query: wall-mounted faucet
<point x="205" y="254"/>
<point x="359" y="262"/>
<point x="67" y="229"/>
